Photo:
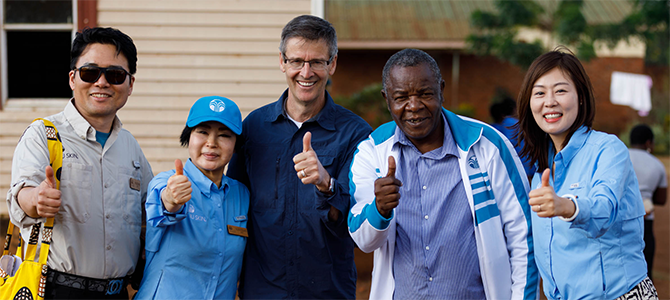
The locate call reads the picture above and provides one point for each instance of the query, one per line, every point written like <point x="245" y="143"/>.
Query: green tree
<point x="496" y="33"/>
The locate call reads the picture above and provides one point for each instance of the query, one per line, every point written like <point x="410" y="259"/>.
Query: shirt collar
<point x="575" y="143"/>
<point x="448" y="145"/>
<point x="82" y="128"/>
<point x="204" y="184"/>
<point x="325" y="118"/>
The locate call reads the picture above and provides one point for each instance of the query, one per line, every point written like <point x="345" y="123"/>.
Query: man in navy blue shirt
<point x="295" y="156"/>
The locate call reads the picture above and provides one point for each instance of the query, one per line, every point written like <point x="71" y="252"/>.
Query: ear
<point x="333" y="66"/>
<point x="132" y="83"/>
<point x="71" y="75"/>
<point x="282" y="66"/>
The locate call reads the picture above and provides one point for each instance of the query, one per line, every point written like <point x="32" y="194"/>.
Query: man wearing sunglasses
<point x="98" y="209"/>
<point x="295" y="160"/>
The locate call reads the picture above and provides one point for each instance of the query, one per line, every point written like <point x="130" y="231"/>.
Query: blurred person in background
<point x="651" y="178"/>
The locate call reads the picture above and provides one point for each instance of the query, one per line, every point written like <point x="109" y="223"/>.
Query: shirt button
<point x="106" y="185"/>
<point x="426" y="217"/>
<point x="430" y="279"/>
<point x="219" y="205"/>
<point x="427" y="248"/>
<point x="109" y="247"/>
<point x="213" y="277"/>
<point x="290" y="232"/>
<point x="107" y="216"/>
<point x="424" y="187"/>
<point x="220" y="254"/>
<point x="220" y="229"/>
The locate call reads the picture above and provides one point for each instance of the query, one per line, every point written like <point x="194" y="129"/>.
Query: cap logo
<point x="217" y="105"/>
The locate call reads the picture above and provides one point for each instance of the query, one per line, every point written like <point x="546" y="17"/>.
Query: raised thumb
<point x="51" y="180"/>
<point x="391" y="172"/>
<point x="179" y="167"/>
<point x="307" y="142"/>
<point x="545" y="177"/>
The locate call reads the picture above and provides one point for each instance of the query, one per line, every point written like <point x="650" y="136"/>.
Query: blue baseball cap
<point x="215" y="108"/>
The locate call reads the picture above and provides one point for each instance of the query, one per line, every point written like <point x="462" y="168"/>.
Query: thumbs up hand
<point x="387" y="191"/>
<point x="178" y="190"/>
<point x="309" y="168"/>
<point x="546" y="203"/>
<point x="48" y="197"/>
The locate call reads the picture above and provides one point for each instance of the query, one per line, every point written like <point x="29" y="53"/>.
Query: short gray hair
<point x="409" y="58"/>
<point x="310" y="28"/>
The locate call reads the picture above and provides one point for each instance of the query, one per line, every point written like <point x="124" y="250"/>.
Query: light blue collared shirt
<point x="435" y="249"/>
<point x="598" y="255"/>
<point x="191" y="254"/>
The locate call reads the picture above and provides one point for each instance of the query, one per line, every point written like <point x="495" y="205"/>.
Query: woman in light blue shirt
<point x="196" y="216"/>
<point x="587" y="221"/>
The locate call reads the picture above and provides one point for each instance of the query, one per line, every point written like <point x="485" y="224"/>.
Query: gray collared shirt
<point x="97" y="230"/>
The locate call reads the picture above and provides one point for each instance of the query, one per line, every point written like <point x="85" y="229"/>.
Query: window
<point x="35" y="44"/>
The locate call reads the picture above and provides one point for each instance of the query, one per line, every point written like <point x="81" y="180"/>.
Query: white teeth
<point x="552" y="116"/>
<point x="306" y="83"/>
<point x="99" y="95"/>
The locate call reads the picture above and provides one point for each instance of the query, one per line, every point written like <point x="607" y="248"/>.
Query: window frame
<point x="84" y="14"/>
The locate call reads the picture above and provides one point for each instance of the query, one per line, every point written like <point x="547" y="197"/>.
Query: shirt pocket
<point x="265" y="173"/>
<point x="132" y="198"/>
<point x="76" y="192"/>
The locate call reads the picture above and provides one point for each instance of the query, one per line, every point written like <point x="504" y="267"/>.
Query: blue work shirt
<point x="294" y="251"/>
<point x="435" y="249"/>
<point x="507" y="127"/>
<point x="191" y="254"/>
<point x="598" y="255"/>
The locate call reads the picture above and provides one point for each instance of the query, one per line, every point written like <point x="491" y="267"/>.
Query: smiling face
<point x="414" y="98"/>
<point x="554" y="103"/>
<point x="307" y="85"/>
<point x="210" y="147"/>
<point x="98" y="102"/>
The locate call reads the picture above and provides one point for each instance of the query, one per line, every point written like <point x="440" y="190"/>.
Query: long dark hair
<point x="536" y="141"/>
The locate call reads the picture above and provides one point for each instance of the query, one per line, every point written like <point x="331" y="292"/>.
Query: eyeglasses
<point x="315" y="64"/>
<point x="113" y="75"/>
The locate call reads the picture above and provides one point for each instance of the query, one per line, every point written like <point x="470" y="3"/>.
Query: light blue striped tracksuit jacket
<point x="497" y="192"/>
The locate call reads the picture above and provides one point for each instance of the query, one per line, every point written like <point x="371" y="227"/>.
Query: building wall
<point x="479" y="77"/>
<point x="191" y="49"/>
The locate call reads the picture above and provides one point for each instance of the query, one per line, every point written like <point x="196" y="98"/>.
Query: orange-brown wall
<point x="480" y="76"/>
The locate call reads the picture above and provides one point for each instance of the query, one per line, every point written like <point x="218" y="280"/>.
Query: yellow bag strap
<point x="55" y="146"/>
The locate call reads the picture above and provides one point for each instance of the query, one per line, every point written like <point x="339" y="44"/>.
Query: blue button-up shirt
<point x="294" y="251"/>
<point x="191" y="254"/>
<point x="435" y="249"/>
<point x="598" y="255"/>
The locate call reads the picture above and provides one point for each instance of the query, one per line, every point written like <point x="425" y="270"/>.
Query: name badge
<point x="241" y="218"/>
<point x="134" y="184"/>
<point x="236" y="230"/>
<point x="574" y="185"/>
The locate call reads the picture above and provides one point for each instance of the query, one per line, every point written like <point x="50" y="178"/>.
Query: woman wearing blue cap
<point x="196" y="216"/>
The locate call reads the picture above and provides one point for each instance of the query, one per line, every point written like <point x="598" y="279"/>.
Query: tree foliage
<point x="649" y="22"/>
<point x="567" y="25"/>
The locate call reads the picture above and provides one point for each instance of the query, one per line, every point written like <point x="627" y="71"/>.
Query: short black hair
<point x="104" y="35"/>
<point x="311" y="28"/>
<point x="640" y="134"/>
<point x="409" y="58"/>
<point x="185" y="136"/>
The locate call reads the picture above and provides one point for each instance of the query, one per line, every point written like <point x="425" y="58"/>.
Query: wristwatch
<point x="331" y="186"/>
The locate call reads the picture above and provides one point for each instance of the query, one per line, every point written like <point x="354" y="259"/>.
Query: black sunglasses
<point x="91" y="74"/>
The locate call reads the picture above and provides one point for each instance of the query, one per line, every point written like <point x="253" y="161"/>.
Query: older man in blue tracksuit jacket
<point x="457" y="224"/>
